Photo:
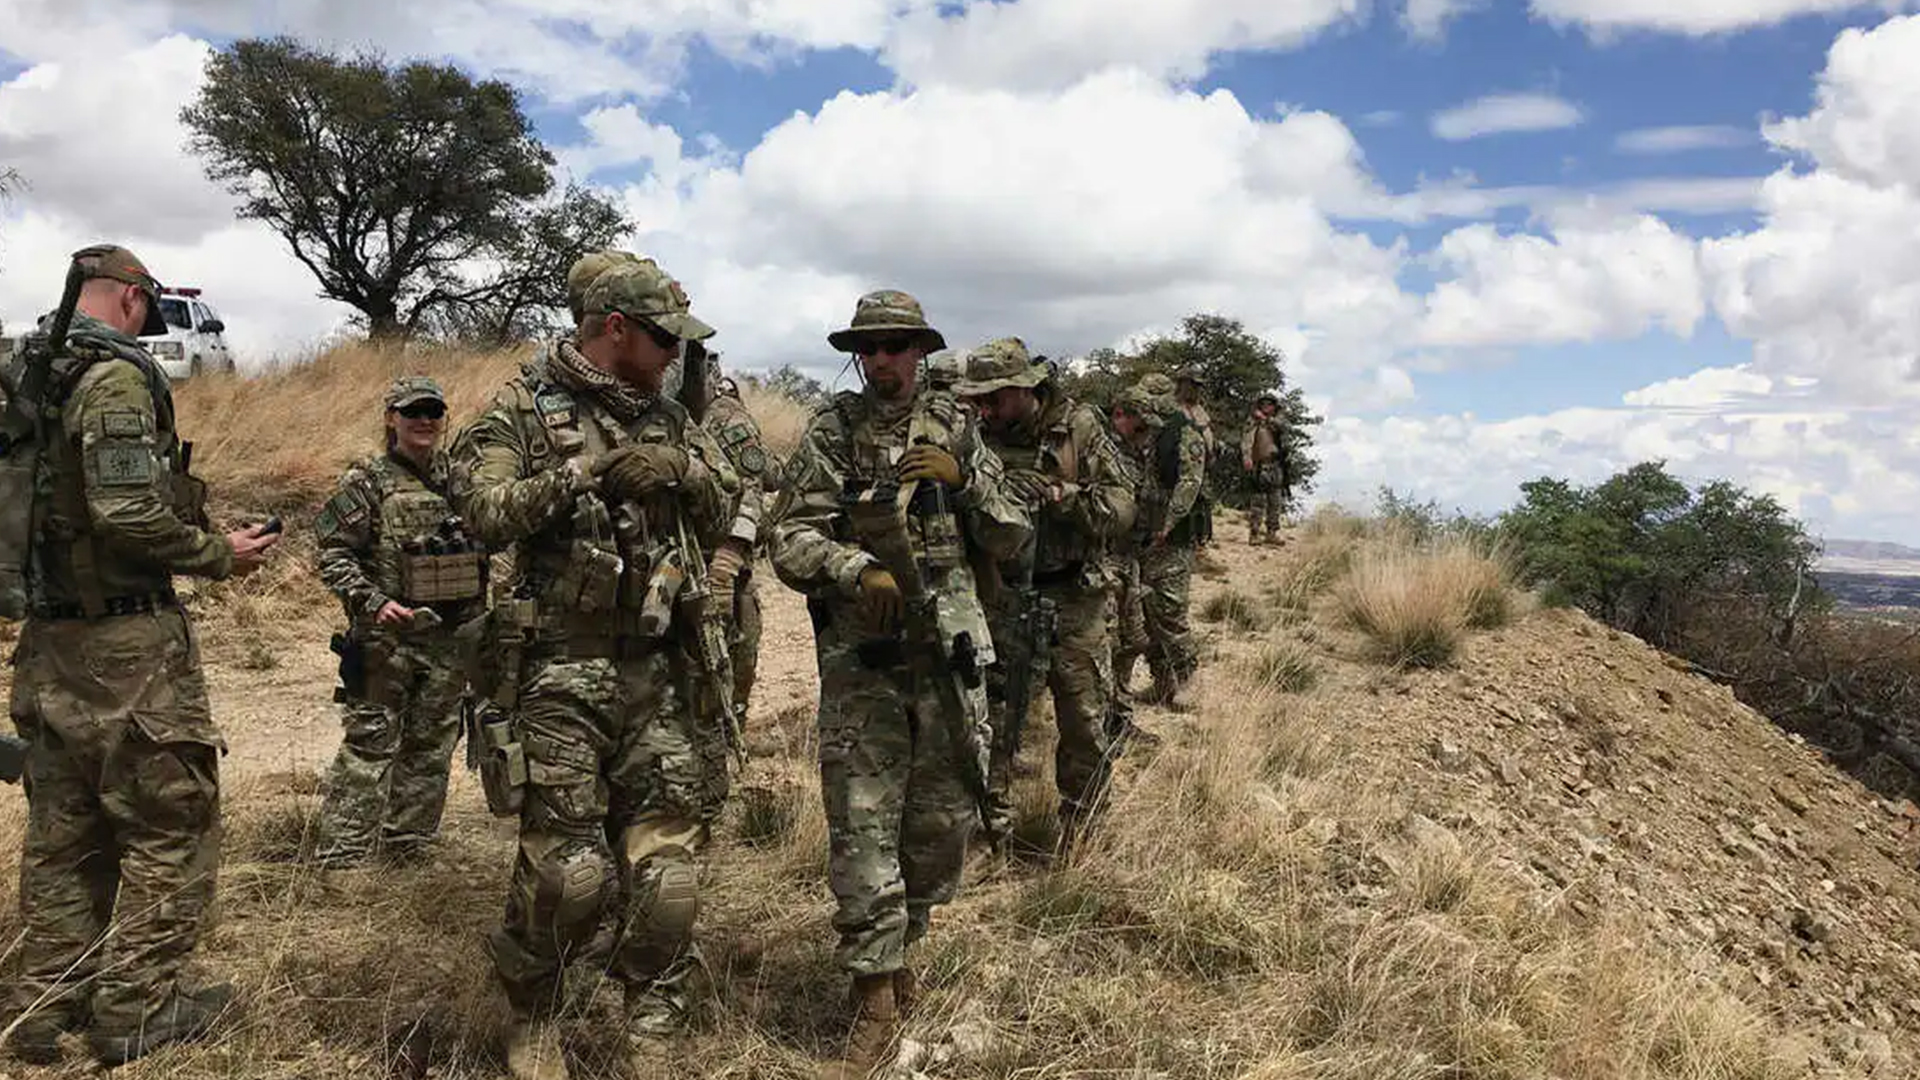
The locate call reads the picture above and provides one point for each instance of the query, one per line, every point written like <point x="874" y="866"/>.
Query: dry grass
<point x="1237" y="610"/>
<point x="1256" y="904"/>
<point x="1415" y="604"/>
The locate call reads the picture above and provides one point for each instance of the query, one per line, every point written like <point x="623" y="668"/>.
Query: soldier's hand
<point x="880" y="599"/>
<point x="725" y="566"/>
<point x="928" y="462"/>
<point x="250" y="548"/>
<point x="1030" y="485"/>
<point x="1247" y="462"/>
<point x="632" y="472"/>
<point x="393" y="613"/>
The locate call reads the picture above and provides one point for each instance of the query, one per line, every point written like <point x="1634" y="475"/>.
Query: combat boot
<point x="906" y="991"/>
<point x="184" y="1018"/>
<point x="36" y="1037"/>
<point x="876" y="1024"/>
<point x="533" y="1050"/>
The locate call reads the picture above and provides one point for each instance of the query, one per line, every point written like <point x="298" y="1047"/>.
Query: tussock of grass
<point x="1285" y="666"/>
<point x="1415" y="605"/>
<point x="1237" y="610"/>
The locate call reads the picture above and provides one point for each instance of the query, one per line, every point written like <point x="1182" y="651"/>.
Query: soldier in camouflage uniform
<point x="1189" y="390"/>
<point x="407" y="574"/>
<point x="122" y="777"/>
<point x="943" y="370"/>
<point x="899" y="810"/>
<point x="736" y="590"/>
<point x="1066" y="472"/>
<point x="1263" y="456"/>
<point x="1170" y="458"/>
<point x="604" y="486"/>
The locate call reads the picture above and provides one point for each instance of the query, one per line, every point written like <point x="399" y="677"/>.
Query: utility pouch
<point x="664" y="586"/>
<point x="353" y="668"/>
<point x="435" y="579"/>
<point x="503" y="761"/>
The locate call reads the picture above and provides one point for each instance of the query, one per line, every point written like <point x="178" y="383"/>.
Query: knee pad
<point x="566" y="888"/>
<point x="661" y="908"/>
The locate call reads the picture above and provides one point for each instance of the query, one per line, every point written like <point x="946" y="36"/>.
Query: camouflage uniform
<point x="122" y="771"/>
<point x="1263" y="444"/>
<point x="898" y="810"/>
<point x="1064" y="444"/>
<point x="388" y="783"/>
<point x="733" y="427"/>
<point x="1196" y="413"/>
<point x="1170" y="457"/>
<point x="623" y="781"/>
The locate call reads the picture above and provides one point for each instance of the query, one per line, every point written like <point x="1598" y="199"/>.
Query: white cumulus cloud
<point x="1697" y="17"/>
<point x="1499" y="114"/>
<point x="1681" y="138"/>
<point x="1428" y="19"/>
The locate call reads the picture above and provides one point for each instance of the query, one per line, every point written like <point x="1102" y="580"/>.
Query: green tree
<point x="1648" y="555"/>
<point x="524" y="297"/>
<point x="1235" y="368"/>
<point x="390" y="183"/>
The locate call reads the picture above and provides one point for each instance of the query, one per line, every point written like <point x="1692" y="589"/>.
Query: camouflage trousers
<point x="623" y="785"/>
<point x="1079" y="674"/>
<point x="899" y="814"/>
<point x="743" y="642"/>
<point x="123" y="815"/>
<point x="1126" y="620"/>
<point x="1269" y="501"/>
<point x="1166" y="579"/>
<point x="388" y="783"/>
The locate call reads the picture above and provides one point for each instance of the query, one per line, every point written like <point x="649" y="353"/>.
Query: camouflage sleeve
<point x="709" y="487"/>
<point x="739" y="436"/>
<point x="343" y="532"/>
<point x="1193" y="471"/>
<point x="1246" y="440"/>
<point x="994" y="520"/>
<point x="493" y="493"/>
<point x="803" y="542"/>
<point x="1104" y="505"/>
<point x="127" y="483"/>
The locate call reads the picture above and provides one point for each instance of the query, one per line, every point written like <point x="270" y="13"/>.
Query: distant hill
<point x="1868" y="549"/>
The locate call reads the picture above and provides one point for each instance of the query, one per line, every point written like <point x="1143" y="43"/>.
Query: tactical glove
<point x="1030" y="485"/>
<point x="928" y="462"/>
<point x="632" y="472"/>
<point x="880" y="600"/>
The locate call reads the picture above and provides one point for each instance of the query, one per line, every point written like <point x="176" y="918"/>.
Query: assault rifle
<point x="707" y="640"/>
<point x="13" y="759"/>
<point x="1026" y="657"/>
<point x="949" y="664"/>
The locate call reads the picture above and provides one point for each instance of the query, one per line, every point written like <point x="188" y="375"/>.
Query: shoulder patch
<point x="554" y="407"/>
<point x="123" y="424"/>
<point x="122" y="464"/>
<point x="753" y="461"/>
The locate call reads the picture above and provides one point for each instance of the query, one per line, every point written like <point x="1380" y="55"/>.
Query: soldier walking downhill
<point x="1263" y="456"/>
<point x="1066" y="472"/>
<point x="610" y="496"/>
<point x="1170" y="458"/>
<point x="123" y="768"/>
<point x="900" y="801"/>
<point x="407" y="573"/>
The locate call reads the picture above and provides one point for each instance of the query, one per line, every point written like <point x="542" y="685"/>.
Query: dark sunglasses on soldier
<point x="661" y="338"/>
<point x="891" y="345"/>
<point x="422" y="410"/>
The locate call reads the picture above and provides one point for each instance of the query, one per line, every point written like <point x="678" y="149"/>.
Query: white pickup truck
<point x="195" y="340"/>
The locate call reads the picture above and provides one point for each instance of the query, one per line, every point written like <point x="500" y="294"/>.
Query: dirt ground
<point x="1617" y="788"/>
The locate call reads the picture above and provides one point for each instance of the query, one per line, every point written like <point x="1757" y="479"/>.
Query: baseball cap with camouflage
<point x="585" y="269"/>
<point x="115" y="262"/>
<point x="1151" y="398"/>
<point x="888" y="311"/>
<point x="408" y="389"/>
<point x="1000" y="363"/>
<point x="637" y="288"/>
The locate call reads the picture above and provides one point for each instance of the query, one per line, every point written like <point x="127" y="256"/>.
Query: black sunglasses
<point x="891" y="345"/>
<point x="423" y="410"/>
<point x="661" y="338"/>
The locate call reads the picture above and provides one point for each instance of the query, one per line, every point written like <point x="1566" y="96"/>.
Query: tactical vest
<point x="1060" y="543"/>
<point x="876" y="446"/>
<point x="50" y="555"/>
<point x="618" y="568"/>
<point x="1166" y="472"/>
<point x="422" y="555"/>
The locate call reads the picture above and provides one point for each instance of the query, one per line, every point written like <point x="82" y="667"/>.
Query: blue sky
<point x="1699" y="238"/>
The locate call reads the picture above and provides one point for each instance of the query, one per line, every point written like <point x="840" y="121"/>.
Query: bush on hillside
<point x="1415" y="604"/>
